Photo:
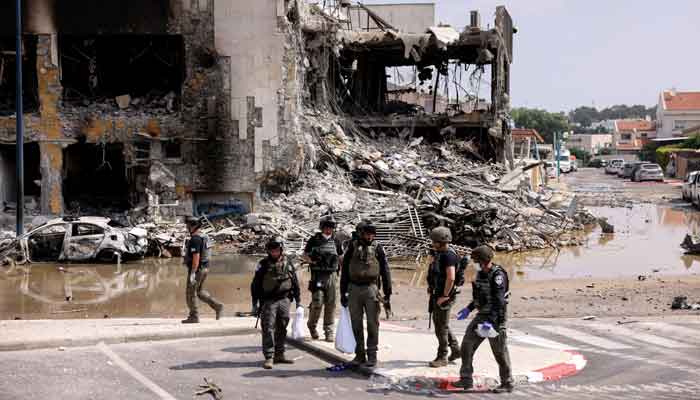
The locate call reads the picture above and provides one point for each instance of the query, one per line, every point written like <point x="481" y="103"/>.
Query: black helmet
<point x="366" y="226"/>
<point x="327" y="222"/>
<point x="275" y="242"/>
<point x="482" y="253"/>
<point x="193" y="222"/>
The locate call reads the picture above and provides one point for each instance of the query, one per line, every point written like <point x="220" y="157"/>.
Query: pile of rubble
<point x="407" y="187"/>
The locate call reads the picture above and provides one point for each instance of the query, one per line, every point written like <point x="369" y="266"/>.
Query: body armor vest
<point x="481" y="289"/>
<point x="203" y="256"/>
<point x="364" y="266"/>
<point x="326" y="255"/>
<point x="277" y="280"/>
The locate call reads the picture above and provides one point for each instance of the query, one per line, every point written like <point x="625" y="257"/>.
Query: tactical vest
<point x="481" y="289"/>
<point x="364" y="265"/>
<point x="327" y="255"/>
<point x="277" y="280"/>
<point x="203" y="256"/>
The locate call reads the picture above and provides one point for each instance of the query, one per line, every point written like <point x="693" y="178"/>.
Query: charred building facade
<point x="178" y="105"/>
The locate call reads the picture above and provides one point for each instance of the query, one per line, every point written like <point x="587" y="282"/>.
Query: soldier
<point x="274" y="286"/>
<point x="365" y="271"/>
<point x="490" y="292"/>
<point x="197" y="261"/>
<point x="443" y="292"/>
<point x="323" y="252"/>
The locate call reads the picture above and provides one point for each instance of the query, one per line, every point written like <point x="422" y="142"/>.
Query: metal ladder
<point x="416" y="222"/>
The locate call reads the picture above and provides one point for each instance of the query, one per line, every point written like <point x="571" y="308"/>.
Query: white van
<point x="564" y="161"/>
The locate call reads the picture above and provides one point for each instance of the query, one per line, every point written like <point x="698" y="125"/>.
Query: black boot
<point x="455" y="353"/>
<point x="359" y="359"/>
<point x="371" y="360"/>
<point x="190" y="320"/>
<point x="463" y="384"/>
<point x="505" y="387"/>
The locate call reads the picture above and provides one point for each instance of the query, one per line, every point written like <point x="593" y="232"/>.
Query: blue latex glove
<point x="463" y="313"/>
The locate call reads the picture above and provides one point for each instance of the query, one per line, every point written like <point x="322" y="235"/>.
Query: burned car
<point x="76" y="239"/>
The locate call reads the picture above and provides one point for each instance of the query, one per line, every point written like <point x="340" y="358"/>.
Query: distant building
<point x="630" y="135"/>
<point x="525" y="142"/>
<point x="590" y="142"/>
<point x="677" y="111"/>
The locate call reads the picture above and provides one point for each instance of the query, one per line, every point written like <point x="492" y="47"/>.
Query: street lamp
<point x="20" y="120"/>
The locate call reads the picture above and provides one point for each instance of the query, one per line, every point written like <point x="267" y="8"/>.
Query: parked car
<point x="597" y="163"/>
<point x="551" y="169"/>
<point x="614" y="166"/>
<point x="649" y="172"/>
<point x="77" y="239"/>
<point x="629" y="169"/>
<point x="564" y="161"/>
<point x="688" y="185"/>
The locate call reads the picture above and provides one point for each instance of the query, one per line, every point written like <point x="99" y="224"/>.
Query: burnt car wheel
<point x="109" y="256"/>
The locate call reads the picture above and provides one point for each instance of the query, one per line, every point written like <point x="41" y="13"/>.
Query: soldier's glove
<point x="192" y="278"/>
<point x="344" y="300"/>
<point x="463" y="313"/>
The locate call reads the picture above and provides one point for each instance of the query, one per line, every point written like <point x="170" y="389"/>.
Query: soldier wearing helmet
<point x="365" y="271"/>
<point x="490" y="292"/>
<point x="274" y="286"/>
<point x="442" y="291"/>
<point x="323" y="252"/>
<point x="197" y="262"/>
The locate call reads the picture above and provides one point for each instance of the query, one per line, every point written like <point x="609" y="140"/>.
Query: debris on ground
<point x="606" y="226"/>
<point x="589" y="318"/>
<point x="681" y="303"/>
<point x="211" y="388"/>
<point x="691" y="244"/>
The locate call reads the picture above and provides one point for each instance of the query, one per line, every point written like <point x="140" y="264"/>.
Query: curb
<point x="119" y="339"/>
<point x="554" y="372"/>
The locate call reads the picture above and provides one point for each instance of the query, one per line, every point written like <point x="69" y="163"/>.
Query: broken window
<point x="86" y="230"/>
<point x="95" y="178"/>
<point x="8" y="82"/>
<point x="144" y="71"/>
<point x="172" y="149"/>
<point x="32" y="172"/>
<point x="142" y="151"/>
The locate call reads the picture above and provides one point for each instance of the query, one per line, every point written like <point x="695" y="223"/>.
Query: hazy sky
<point x="592" y="52"/>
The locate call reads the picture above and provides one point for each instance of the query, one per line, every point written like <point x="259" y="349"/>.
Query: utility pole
<point x="556" y="154"/>
<point x="20" y="121"/>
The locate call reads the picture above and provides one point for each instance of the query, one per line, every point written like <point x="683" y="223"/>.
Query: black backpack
<point x="461" y="269"/>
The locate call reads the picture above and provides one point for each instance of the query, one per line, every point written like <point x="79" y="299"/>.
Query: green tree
<point x="692" y="142"/>
<point x="546" y="123"/>
<point x="584" y="115"/>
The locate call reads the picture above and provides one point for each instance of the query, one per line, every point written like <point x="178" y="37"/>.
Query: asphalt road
<point x="662" y="365"/>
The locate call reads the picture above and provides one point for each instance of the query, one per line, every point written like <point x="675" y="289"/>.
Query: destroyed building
<point x="181" y="106"/>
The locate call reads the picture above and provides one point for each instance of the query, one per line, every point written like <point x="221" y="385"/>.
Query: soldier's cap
<point x="275" y="242"/>
<point x="482" y="253"/>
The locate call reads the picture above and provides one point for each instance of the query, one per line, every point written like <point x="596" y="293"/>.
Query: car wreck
<point x="76" y="239"/>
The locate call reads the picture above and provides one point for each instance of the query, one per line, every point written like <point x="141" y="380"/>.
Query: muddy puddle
<point x="646" y="241"/>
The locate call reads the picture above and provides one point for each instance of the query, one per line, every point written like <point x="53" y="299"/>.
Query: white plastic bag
<point x="298" y="324"/>
<point x="344" y="337"/>
<point x="486" y="331"/>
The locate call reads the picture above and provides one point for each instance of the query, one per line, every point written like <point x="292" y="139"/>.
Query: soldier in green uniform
<point x="323" y="251"/>
<point x="490" y="292"/>
<point x="365" y="271"/>
<point x="274" y="286"/>
<point x="442" y="291"/>
<point x="197" y="261"/>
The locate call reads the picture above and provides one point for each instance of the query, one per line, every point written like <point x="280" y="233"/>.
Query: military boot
<point x="190" y="320"/>
<point x="439" y="362"/>
<point x="313" y="332"/>
<point x="463" y="384"/>
<point x="371" y="360"/>
<point x="455" y="353"/>
<point x="330" y="338"/>
<point x="359" y="359"/>
<point x="504" y="388"/>
<point x="219" y="309"/>
<point x="281" y="359"/>
<point x="268" y="363"/>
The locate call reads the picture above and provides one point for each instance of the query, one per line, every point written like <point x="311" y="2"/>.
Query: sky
<point x="569" y="53"/>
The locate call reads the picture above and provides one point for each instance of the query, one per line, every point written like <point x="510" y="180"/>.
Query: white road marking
<point x="680" y="333"/>
<point x="626" y="333"/>
<point x="134" y="373"/>
<point x="523" y="337"/>
<point x="584" y="337"/>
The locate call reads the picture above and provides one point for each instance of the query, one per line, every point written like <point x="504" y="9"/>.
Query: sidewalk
<point x="36" y="334"/>
<point x="404" y="355"/>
